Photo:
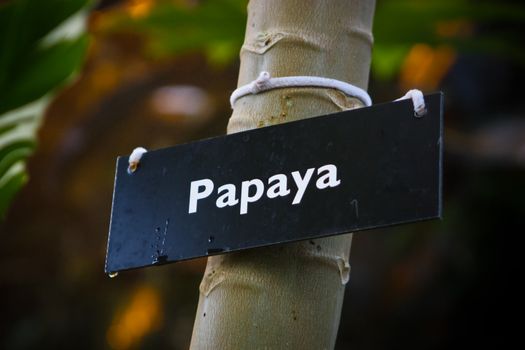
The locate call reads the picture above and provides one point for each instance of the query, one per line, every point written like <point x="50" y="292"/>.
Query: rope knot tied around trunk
<point x="265" y="82"/>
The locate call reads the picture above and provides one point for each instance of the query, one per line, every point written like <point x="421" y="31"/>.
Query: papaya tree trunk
<point x="288" y="296"/>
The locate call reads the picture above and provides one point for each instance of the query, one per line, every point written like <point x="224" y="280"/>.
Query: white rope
<point x="418" y="100"/>
<point x="134" y="159"/>
<point x="265" y="82"/>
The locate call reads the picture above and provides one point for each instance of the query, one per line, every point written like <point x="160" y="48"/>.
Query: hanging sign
<point x="345" y="172"/>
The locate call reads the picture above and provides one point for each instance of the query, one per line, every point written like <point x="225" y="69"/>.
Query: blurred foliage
<point x="43" y="43"/>
<point x="37" y="58"/>
<point x="431" y="285"/>
<point x="171" y="27"/>
<point x="217" y="27"/>
<point x="462" y="24"/>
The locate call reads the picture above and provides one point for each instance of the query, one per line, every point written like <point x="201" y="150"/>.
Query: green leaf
<point x="43" y="44"/>
<point x="23" y="24"/>
<point x="17" y="134"/>
<point x="10" y="184"/>
<point x="43" y="70"/>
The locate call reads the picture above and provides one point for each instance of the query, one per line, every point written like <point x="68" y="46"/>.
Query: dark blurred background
<point x="159" y="73"/>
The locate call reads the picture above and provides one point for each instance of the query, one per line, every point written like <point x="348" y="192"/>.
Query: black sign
<point x="344" y="172"/>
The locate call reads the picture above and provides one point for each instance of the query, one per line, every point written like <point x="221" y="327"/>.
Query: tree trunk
<point x="287" y="296"/>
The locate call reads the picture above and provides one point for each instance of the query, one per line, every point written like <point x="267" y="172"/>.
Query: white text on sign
<point x="253" y="190"/>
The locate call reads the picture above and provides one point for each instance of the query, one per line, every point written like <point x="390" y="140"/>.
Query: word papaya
<point x="253" y="190"/>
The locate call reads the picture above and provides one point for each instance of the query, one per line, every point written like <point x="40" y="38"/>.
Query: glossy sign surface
<point x="355" y="170"/>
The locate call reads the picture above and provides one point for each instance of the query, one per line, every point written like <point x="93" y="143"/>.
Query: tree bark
<point x="288" y="296"/>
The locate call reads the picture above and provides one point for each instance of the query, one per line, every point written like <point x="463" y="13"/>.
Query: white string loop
<point x="265" y="82"/>
<point x="418" y="100"/>
<point x="134" y="159"/>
